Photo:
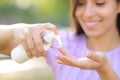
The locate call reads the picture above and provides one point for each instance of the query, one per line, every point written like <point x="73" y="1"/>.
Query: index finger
<point x="63" y="51"/>
<point x="49" y="26"/>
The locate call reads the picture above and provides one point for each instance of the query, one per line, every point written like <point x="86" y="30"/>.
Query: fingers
<point x="66" y="58"/>
<point x="49" y="26"/>
<point x="37" y="31"/>
<point x="63" y="51"/>
<point x="31" y="45"/>
<point x="27" y="49"/>
<point x="93" y="60"/>
<point x="61" y="59"/>
<point x="96" y="56"/>
<point x="38" y="42"/>
<point x="32" y="42"/>
<point x="46" y="26"/>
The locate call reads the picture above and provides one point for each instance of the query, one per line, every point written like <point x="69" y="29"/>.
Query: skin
<point x="98" y="20"/>
<point x="93" y="61"/>
<point x="26" y="34"/>
<point x="33" y="40"/>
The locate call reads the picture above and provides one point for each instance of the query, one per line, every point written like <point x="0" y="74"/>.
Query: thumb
<point x="96" y="56"/>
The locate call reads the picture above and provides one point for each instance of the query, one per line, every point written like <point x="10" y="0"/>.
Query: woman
<point x="91" y="47"/>
<point x="100" y="21"/>
<point x="96" y="23"/>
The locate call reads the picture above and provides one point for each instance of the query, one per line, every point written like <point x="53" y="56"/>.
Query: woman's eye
<point x="80" y="3"/>
<point x="100" y="4"/>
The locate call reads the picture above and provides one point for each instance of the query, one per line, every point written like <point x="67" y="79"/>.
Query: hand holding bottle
<point x="34" y="41"/>
<point x="19" y="54"/>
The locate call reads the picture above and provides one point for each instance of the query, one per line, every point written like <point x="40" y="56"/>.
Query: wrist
<point x="19" y="31"/>
<point x="6" y="35"/>
<point x="106" y="72"/>
<point x="104" y="68"/>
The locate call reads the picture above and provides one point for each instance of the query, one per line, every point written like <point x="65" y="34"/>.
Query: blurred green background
<point x="31" y="11"/>
<point x="34" y="11"/>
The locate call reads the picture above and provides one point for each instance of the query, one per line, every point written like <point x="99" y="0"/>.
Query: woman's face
<point x="97" y="17"/>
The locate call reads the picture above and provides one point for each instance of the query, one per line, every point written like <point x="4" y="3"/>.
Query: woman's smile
<point x="91" y="24"/>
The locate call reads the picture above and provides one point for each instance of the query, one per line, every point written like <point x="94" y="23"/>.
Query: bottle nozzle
<point x="48" y="37"/>
<point x="59" y="40"/>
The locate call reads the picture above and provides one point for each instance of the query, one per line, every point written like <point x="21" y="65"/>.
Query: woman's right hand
<point x="29" y="36"/>
<point x="92" y="61"/>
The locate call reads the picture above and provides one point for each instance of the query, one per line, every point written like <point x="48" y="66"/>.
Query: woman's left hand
<point x="29" y="35"/>
<point x="93" y="60"/>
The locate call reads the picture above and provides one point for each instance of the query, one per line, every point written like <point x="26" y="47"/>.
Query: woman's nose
<point x="89" y="11"/>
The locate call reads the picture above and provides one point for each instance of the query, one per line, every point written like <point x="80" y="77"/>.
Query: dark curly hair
<point x="75" y="23"/>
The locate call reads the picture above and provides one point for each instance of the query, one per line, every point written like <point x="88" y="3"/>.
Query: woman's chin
<point x="92" y="34"/>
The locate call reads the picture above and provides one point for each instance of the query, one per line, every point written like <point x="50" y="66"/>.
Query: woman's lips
<point x="91" y="24"/>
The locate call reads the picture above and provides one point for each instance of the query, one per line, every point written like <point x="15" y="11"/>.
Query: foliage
<point x="34" y="11"/>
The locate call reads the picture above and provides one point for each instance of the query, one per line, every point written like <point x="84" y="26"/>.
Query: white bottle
<point x="19" y="55"/>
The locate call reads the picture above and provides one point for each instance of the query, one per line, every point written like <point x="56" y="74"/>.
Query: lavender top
<point x="76" y="46"/>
